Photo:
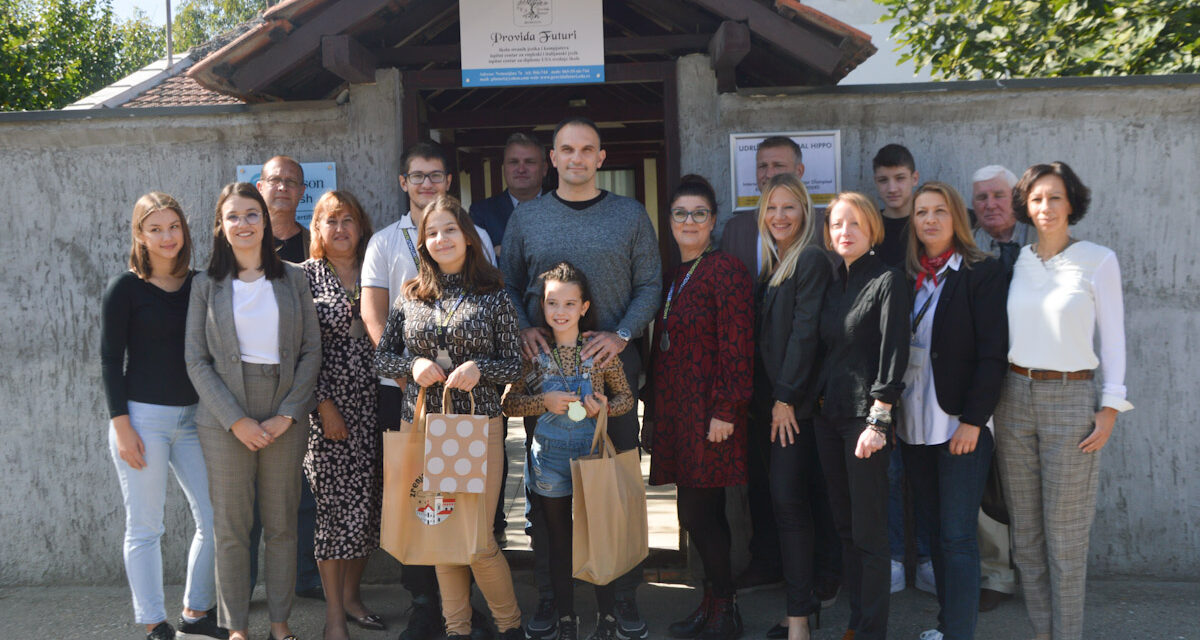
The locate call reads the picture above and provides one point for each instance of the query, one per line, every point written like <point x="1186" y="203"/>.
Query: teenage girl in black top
<point x="152" y="408"/>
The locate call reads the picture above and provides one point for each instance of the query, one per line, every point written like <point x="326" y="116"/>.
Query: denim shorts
<point x="554" y="447"/>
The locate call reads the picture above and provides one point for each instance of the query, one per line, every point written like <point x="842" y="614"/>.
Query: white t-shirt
<point x="1056" y="307"/>
<point x="256" y="321"/>
<point x="390" y="260"/>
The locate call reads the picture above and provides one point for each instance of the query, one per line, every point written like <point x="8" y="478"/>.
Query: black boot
<point x="691" y="626"/>
<point x="725" y="623"/>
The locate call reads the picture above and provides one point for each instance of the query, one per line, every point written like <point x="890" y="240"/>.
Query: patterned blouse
<point x="481" y="328"/>
<point x="519" y="402"/>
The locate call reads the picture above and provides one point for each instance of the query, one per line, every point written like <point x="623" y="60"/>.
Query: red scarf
<point x="931" y="267"/>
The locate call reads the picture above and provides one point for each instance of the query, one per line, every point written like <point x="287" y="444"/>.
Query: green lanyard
<point x="578" y="362"/>
<point x="444" y="321"/>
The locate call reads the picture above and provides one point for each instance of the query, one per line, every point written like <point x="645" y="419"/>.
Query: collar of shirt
<point x="955" y="262"/>
<point x="406" y="221"/>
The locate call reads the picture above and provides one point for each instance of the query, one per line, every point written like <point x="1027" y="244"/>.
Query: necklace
<point x="575" y="409"/>
<point x="354" y="297"/>
<point x="664" y="343"/>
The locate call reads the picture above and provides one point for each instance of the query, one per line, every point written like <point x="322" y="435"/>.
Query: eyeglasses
<point x="277" y="182"/>
<point x="251" y="218"/>
<point x="436" y="177"/>
<point x="699" y="216"/>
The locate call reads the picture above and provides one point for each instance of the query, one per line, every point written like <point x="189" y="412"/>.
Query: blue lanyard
<point x="416" y="258"/>
<point x="671" y="291"/>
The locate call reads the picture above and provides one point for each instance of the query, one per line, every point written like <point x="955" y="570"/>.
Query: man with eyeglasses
<point x="390" y="260"/>
<point x="281" y="184"/>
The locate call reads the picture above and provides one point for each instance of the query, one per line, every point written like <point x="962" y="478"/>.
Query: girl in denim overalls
<point x="567" y="392"/>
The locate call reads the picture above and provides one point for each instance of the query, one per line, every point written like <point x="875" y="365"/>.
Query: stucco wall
<point x="69" y="184"/>
<point x="1138" y="147"/>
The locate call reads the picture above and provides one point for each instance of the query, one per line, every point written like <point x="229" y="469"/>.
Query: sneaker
<point x="932" y="634"/>
<point x="568" y="628"/>
<point x="162" y="632"/>
<point x="925" y="580"/>
<point x="424" y="621"/>
<point x="630" y="625"/>
<point x="206" y="626"/>
<point x="544" y="623"/>
<point x="606" y="628"/>
<point x="897" y="576"/>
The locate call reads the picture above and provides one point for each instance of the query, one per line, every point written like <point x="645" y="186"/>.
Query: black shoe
<point x="725" y="623"/>
<point x="369" y="621"/>
<point x="777" y="632"/>
<point x="424" y="621"/>
<point x="756" y="577"/>
<point x="606" y="628"/>
<point x="162" y="632"/>
<point x="990" y="599"/>
<point x="480" y="628"/>
<point x="544" y="623"/>
<point x="568" y="628"/>
<point x="630" y="625"/>
<point x="691" y="626"/>
<point x="514" y="633"/>
<point x="314" y="593"/>
<point x="206" y="626"/>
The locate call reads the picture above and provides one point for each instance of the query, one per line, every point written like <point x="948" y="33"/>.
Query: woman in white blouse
<point x="1050" y="427"/>
<point x="253" y="351"/>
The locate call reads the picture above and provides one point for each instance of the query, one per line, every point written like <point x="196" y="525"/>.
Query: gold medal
<point x="665" y="343"/>
<point x="357" y="329"/>
<point x="576" y="412"/>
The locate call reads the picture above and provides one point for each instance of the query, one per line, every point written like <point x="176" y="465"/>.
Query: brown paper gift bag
<point x="423" y="527"/>
<point x="610" y="532"/>
<point x="456" y="447"/>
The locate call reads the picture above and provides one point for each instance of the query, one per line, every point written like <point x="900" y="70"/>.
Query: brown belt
<point x="1046" y="374"/>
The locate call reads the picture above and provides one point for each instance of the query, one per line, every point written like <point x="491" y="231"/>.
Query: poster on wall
<point x="822" y="156"/>
<point x="529" y="42"/>
<point x="319" y="178"/>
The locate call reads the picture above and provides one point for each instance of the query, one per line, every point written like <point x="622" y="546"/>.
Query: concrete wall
<point x="1137" y="145"/>
<point x="70" y="183"/>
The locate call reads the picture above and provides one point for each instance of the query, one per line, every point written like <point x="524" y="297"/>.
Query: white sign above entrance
<point x="821" y="153"/>
<point x="527" y="42"/>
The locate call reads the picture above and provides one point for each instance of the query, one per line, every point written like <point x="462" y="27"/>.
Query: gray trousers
<point x="1051" y="486"/>
<point x="235" y="476"/>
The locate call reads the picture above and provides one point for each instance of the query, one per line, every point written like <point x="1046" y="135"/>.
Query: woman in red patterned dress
<point x="702" y="377"/>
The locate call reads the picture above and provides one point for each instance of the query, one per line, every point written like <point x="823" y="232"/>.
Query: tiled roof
<point x="179" y="91"/>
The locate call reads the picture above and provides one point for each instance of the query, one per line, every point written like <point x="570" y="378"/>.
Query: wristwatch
<point x="624" y="334"/>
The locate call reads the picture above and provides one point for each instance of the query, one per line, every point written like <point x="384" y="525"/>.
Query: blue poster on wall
<point x="319" y="178"/>
<point x="529" y="42"/>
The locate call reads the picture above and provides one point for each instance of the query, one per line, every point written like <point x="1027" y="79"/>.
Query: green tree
<point x="198" y="21"/>
<point x="969" y="39"/>
<point x="53" y="52"/>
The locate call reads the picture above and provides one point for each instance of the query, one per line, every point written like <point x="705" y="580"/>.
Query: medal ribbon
<point x="355" y="296"/>
<point x="444" y="321"/>
<point x="671" y="292"/>
<point x="578" y="362"/>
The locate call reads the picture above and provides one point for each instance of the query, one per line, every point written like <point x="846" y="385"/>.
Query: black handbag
<point x="993" y="504"/>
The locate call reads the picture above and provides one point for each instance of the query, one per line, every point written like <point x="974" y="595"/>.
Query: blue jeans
<point x="896" y="513"/>
<point x="169" y="437"/>
<point x="947" y="490"/>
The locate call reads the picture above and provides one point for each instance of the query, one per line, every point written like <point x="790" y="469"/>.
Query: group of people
<point x="795" y="356"/>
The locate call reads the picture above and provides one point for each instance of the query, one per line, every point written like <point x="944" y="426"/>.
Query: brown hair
<point x="329" y="204"/>
<point x="962" y="240"/>
<point x="864" y="208"/>
<point x="139" y="256"/>
<point x="223" y="264"/>
<point x="479" y="276"/>
<point x="568" y="273"/>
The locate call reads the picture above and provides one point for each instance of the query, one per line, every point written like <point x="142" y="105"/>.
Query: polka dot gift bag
<point x="455" y="449"/>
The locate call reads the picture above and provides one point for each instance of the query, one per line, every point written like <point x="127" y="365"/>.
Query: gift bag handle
<point x="419" y="412"/>
<point x="601" y="443"/>
<point x="448" y="404"/>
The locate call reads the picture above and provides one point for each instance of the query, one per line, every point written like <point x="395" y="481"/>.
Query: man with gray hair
<point x="998" y="231"/>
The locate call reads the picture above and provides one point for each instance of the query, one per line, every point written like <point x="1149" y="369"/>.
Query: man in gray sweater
<point x="610" y="238"/>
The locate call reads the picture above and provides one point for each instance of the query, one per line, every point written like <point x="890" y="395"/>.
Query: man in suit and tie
<point x="524" y="169"/>
<point x="775" y="155"/>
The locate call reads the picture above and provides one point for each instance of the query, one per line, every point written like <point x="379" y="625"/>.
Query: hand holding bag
<point x="611" y="531"/>
<point x="456" y="447"/>
<point x="421" y="527"/>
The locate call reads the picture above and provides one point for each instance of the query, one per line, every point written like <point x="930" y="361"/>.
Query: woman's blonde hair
<point x="139" y="256"/>
<point x="864" y="210"/>
<point x="329" y="204"/>
<point x="963" y="240"/>
<point x="777" y="267"/>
